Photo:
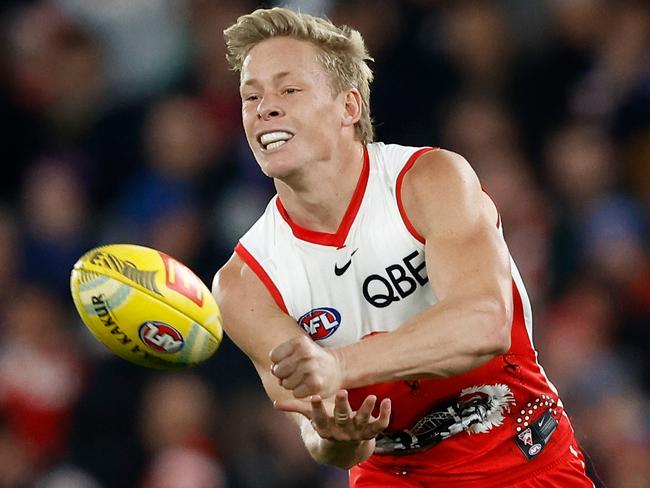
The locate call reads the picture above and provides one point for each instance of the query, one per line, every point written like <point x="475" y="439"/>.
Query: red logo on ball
<point x="161" y="337"/>
<point x="182" y="280"/>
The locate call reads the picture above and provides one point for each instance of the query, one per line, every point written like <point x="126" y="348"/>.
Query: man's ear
<point x="352" y="107"/>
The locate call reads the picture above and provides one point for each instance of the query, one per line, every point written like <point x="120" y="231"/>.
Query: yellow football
<point x="146" y="306"/>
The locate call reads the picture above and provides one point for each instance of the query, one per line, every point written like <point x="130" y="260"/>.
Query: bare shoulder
<point x="239" y="293"/>
<point x="442" y="162"/>
<point x="442" y="193"/>
<point x="231" y="281"/>
<point x="251" y="318"/>
<point x="441" y="175"/>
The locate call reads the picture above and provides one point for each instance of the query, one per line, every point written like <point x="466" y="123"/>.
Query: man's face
<point x="290" y="116"/>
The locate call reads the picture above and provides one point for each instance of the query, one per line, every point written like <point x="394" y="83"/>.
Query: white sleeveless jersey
<point x="370" y="277"/>
<point x="367" y="277"/>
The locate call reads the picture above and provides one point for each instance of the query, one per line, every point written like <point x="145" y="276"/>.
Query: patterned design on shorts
<point x="476" y="410"/>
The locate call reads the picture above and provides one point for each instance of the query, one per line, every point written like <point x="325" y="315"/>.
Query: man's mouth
<point x="273" y="140"/>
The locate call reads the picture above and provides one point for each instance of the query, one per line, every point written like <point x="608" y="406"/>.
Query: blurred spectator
<point x="57" y="69"/>
<point x="41" y="375"/>
<point x="56" y="221"/>
<point x="581" y="165"/>
<point x="104" y="439"/>
<point x="218" y="86"/>
<point x="632" y="437"/>
<point x="180" y="142"/>
<point x="545" y="78"/>
<point x="144" y="42"/>
<point x="581" y="169"/>
<point x="180" y="149"/>
<point x="620" y="64"/>
<point x="413" y="75"/>
<point x="489" y="122"/>
<point x="177" y="418"/>
<point x="615" y="234"/>
<point x="575" y="336"/>
<point x="478" y="40"/>
<point x="596" y="381"/>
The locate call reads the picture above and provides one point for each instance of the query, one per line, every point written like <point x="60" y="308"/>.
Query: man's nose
<point x="268" y="108"/>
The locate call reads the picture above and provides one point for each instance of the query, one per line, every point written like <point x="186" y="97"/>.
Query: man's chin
<point x="279" y="173"/>
<point x="279" y="168"/>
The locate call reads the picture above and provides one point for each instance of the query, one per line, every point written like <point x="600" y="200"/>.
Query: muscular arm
<point x="469" y="270"/>
<point x="253" y="321"/>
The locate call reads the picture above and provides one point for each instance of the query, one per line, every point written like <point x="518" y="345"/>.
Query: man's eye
<point x="250" y="98"/>
<point x="291" y="90"/>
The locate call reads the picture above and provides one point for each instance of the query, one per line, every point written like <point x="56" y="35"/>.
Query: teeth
<point x="271" y="137"/>
<point x="273" y="145"/>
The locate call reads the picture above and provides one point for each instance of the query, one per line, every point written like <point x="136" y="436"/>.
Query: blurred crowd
<point x="120" y="122"/>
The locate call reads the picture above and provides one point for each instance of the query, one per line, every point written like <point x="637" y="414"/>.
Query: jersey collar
<point x="338" y="238"/>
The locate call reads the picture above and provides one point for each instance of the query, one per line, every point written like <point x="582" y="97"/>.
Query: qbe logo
<point x="320" y="323"/>
<point x="161" y="337"/>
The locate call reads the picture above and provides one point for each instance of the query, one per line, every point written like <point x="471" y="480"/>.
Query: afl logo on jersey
<point x="320" y="323"/>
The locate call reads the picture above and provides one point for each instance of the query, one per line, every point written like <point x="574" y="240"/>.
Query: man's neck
<point x="319" y="199"/>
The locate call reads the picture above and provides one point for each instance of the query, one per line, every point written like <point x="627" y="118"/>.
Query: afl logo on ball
<point x="161" y="337"/>
<point x="320" y="323"/>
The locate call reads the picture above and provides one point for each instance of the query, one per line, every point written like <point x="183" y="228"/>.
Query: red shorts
<point x="568" y="470"/>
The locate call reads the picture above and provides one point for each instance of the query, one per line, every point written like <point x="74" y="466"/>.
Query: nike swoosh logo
<point x="339" y="271"/>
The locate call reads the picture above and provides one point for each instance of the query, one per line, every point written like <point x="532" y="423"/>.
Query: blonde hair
<point x="343" y="53"/>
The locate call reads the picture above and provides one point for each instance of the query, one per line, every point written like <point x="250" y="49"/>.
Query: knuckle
<point x="299" y="392"/>
<point x="301" y="354"/>
<point x="301" y="343"/>
<point x="315" y="381"/>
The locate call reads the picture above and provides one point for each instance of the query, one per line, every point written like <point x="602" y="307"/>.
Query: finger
<point x="365" y="410"/>
<point x="293" y="381"/>
<point x="284" y="368"/>
<point x="342" y="410"/>
<point x="304" y="390"/>
<point x="319" y="416"/>
<point x="384" y="416"/>
<point x="282" y="351"/>
<point x="295" y="406"/>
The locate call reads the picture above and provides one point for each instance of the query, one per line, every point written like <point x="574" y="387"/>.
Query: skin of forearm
<point x="445" y="340"/>
<point x="342" y="454"/>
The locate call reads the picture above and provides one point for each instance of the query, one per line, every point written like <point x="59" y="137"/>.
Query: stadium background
<point x="120" y="123"/>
